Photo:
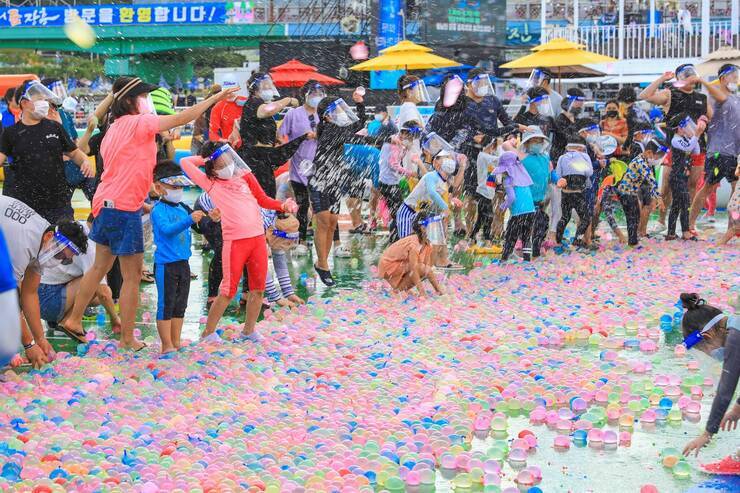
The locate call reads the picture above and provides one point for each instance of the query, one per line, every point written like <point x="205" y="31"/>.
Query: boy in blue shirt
<point x="171" y="222"/>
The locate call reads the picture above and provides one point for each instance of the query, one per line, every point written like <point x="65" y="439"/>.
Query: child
<point x="171" y="223"/>
<point x="607" y="200"/>
<point x="282" y="234"/>
<point x="237" y="194"/>
<point x="533" y="152"/>
<point x="684" y="145"/>
<point x="408" y="262"/>
<point x="398" y="161"/>
<point x="709" y="330"/>
<point x="640" y="172"/>
<point x="574" y="169"/>
<point x="519" y="201"/>
<point x="484" y="193"/>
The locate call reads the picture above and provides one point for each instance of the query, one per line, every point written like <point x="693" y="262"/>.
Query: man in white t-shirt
<point x="59" y="286"/>
<point x="35" y="245"/>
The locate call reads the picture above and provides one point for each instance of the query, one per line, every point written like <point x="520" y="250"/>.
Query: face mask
<point x="314" y="101"/>
<point x="591" y="139"/>
<point x="174" y="195"/>
<point x="544" y="109"/>
<point x="379" y="118"/>
<point x="536" y="148"/>
<point x="448" y="166"/>
<point x="266" y="95"/>
<point x="40" y="109"/>
<point x="732" y="87"/>
<point x="407" y="143"/>
<point x="656" y="161"/>
<point x="612" y="114"/>
<point x="481" y="91"/>
<point x="342" y="119"/>
<point x="576" y="111"/>
<point x="226" y="173"/>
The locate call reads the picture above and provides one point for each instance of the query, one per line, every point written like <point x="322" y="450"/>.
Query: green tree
<point x="205" y="60"/>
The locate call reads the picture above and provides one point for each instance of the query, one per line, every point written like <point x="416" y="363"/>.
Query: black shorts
<point x="470" y="181"/>
<point x="645" y="194"/>
<point x="173" y="288"/>
<point x="720" y="166"/>
<point x="322" y="201"/>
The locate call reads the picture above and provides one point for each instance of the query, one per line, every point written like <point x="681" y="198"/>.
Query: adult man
<point x="544" y="79"/>
<point x="723" y="135"/>
<point x="36" y="245"/>
<point x="486" y="111"/>
<point x="683" y="98"/>
<point x="60" y="283"/>
<point x="37" y="146"/>
<point x="538" y="112"/>
<point x="223" y="115"/>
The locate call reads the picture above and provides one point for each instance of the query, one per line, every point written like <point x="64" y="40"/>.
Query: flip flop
<point x="81" y="338"/>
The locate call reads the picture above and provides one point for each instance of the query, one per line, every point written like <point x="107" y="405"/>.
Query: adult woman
<point x="453" y="123"/>
<point x="613" y="124"/>
<point x="129" y="150"/>
<point x="709" y="330"/>
<point x="260" y="147"/>
<point x="411" y="91"/>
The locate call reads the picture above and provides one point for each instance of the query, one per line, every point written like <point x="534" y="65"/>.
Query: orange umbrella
<point x="295" y="74"/>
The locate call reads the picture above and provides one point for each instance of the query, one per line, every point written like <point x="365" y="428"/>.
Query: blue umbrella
<point x="193" y="84"/>
<point x="163" y="82"/>
<point x="71" y="84"/>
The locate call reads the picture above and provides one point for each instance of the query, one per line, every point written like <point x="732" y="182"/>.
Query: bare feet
<point x="115" y="326"/>
<point x="134" y="345"/>
<point x="285" y="302"/>
<point x="168" y="349"/>
<point x="296" y="299"/>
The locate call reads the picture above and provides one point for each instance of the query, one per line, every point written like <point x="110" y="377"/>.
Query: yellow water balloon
<point x="80" y="32"/>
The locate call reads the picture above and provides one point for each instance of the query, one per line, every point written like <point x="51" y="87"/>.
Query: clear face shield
<point x="433" y="144"/>
<point x="314" y="95"/>
<point x="177" y="181"/>
<point x="536" y="78"/>
<point x="435" y="230"/>
<point x="688" y="127"/>
<point x="57" y="87"/>
<point x="659" y="154"/>
<point x="410" y="134"/>
<point x="36" y="91"/>
<point x="453" y="90"/>
<point x="146" y="105"/>
<point x="265" y="88"/>
<point x="542" y="103"/>
<point x="575" y="102"/>
<point x="482" y="86"/>
<point x="58" y="250"/>
<point x="226" y="162"/>
<point x="686" y="72"/>
<point x="340" y="113"/>
<point x="606" y="144"/>
<point x="419" y="90"/>
<point x="591" y="133"/>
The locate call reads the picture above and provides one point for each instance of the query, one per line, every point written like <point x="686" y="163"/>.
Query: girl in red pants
<point x="236" y="193"/>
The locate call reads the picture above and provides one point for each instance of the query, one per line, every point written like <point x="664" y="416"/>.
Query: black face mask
<point x="612" y="114"/>
<point x="576" y="111"/>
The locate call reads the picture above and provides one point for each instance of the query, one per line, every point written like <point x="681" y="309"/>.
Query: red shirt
<point x="223" y="116"/>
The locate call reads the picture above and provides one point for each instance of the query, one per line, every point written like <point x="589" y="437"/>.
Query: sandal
<point x="359" y="230"/>
<point x="81" y="338"/>
<point x="670" y="237"/>
<point x="325" y="276"/>
<point x="147" y="277"/>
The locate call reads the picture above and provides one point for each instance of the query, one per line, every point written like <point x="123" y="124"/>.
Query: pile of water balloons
<point x="371" y="391"/>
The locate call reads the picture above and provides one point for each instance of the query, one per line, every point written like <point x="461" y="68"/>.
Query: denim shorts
<point x="52" y="298"/>
<point x="121" y="231"/>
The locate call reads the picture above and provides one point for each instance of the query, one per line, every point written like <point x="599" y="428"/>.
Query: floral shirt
<point x="638" y="172"/>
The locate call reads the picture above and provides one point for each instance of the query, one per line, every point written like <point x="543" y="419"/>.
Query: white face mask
<point x="656" y="161"/>
<point x="266" y="95"/>
<point x="226" y="173"/>
<point x="40" y="109"/>
<point x="379" y="118"/>
<point x="732" y="87"/>
<point x="342" y="120"/>
<point x="313" y="102"/>
<point x="448" y="166"/>
<point x="481" y="91"/>
<point x="174" y="195"/>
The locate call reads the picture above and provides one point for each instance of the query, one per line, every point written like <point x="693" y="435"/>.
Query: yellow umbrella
<point x="568" y="57"/>
<point x="405" y="56"/>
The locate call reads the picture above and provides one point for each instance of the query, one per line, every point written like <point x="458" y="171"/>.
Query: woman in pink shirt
<point x="238" y="196"/>
<point x="130" y="154"/>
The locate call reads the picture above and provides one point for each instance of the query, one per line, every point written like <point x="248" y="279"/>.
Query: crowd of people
<point x="470" y="173"/>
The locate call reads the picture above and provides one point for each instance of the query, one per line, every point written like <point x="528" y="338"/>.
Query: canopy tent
<point x="711" y="64"/>
<point x="294" y="74"/>
<point x="568" y="59"/>
<point x="14" y="80"/>
<point x="405" y="56"/>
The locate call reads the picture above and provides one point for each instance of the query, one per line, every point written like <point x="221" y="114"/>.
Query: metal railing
<point x="640" y="42"/>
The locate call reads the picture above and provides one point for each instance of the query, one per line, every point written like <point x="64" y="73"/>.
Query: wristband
<point x="28" y="346"/>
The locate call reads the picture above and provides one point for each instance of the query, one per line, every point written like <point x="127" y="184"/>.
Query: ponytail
<point x="691" y="301"/>
<point x="698" y="313"/>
